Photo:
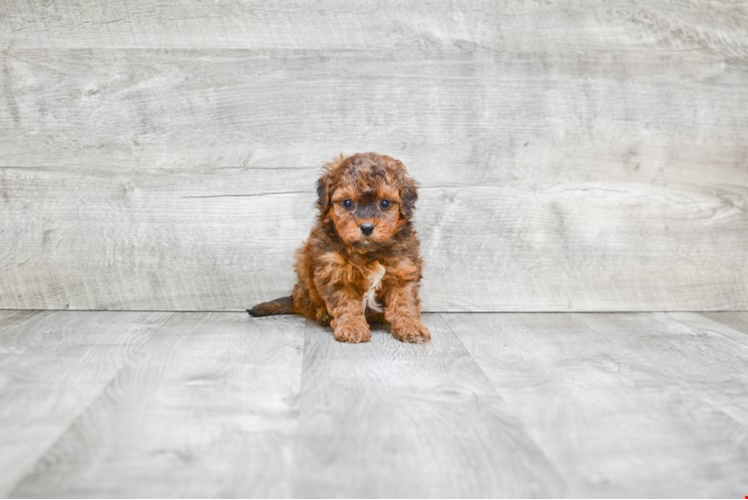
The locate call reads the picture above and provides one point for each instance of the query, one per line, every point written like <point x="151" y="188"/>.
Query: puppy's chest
<point x="373" y="276"/>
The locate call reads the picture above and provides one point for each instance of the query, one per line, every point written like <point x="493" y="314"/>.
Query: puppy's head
<point x="367" y="197"/>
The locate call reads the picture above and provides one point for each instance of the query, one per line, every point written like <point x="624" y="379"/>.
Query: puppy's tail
<point x="282" y="305"/>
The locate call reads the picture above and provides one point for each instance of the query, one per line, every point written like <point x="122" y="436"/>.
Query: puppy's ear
<point x="323" y="193"/>
<point x="408" y="195"/>
<point x="408" y="188"/>
<point x="326" y="185"/>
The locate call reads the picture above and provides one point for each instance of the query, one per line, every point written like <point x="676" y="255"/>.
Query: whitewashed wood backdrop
<point x="573" y="155"/>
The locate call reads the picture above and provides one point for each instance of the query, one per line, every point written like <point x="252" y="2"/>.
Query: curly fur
<point x="347" y="278"/>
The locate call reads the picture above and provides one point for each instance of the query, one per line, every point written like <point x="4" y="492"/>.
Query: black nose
<point x="367" y="228"/>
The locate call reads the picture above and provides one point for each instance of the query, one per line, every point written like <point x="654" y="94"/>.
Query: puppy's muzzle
<point x="367" y="228"/>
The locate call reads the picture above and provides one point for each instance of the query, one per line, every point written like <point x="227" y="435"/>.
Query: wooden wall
<point x="159" y="154"/>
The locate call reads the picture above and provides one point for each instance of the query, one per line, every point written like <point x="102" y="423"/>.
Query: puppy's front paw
<point x="352" y="332"/>
<point x="414" y="332"/>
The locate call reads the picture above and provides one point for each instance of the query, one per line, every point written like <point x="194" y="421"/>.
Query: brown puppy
<point x="362" y="256"/>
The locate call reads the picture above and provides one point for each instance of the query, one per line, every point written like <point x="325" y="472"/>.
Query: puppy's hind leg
<point x="304" y="303"/>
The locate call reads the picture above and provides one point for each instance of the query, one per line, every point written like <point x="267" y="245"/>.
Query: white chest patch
<point x="375" y="281"/>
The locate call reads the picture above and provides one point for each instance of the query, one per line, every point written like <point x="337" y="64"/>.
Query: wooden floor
<point x="112" y="404"/>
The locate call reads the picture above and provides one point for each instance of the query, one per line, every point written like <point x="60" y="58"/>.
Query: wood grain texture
<point x="508" y="26"/>
<point x="190" y="405"/>
<point x="134" y="241"/>
<point x="494" y="117"/>
<point x="572" y="156"/>
<point x="52" y="367"/>
<point x="206" y="410"/>
<point x="642" y="405"/>
<point x="394" y="420"/>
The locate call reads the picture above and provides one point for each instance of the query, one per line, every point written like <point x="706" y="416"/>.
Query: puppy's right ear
<point x="324" y="195"/>
<point x="326" y="185"/>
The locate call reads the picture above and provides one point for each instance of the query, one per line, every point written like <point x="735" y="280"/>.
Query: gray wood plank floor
<point x="135" y="404"/>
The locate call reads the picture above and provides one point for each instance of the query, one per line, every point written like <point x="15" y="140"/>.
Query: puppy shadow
<point x="380" y="328"/>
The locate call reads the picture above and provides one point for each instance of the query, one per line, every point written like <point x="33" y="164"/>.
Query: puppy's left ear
<point x="408" y="195"/>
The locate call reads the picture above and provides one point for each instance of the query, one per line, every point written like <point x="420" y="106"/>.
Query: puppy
<point x="362" y="259"/>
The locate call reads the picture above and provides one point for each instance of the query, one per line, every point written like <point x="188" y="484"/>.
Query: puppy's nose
<point x="367" y="228"/>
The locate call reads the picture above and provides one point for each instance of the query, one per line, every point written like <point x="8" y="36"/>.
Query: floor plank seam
<point x="84" y="410"/>
<point x="603" y="405"/>
<point x="294" y="466"/>
<point x="61" y="435"/>
<point x="496" y="391"/>
<point x="743" y="346"/>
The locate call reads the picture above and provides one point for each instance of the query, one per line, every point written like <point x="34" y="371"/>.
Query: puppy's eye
<point x="347" y="203"/>
<point x="385" y="204"/>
